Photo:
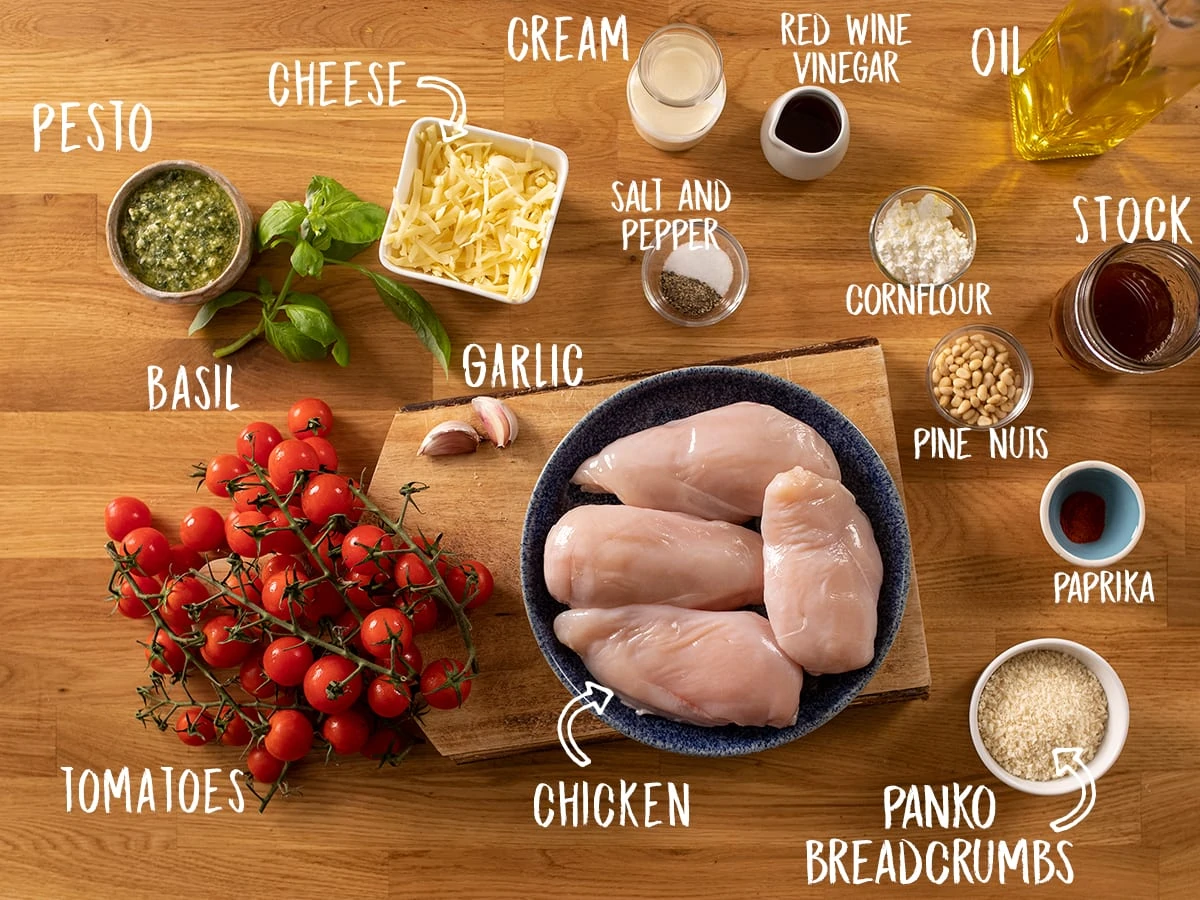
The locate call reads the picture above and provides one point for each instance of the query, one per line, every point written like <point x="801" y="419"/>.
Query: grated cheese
<point x="473" y="215"/>
<point x="1035" y="702"/>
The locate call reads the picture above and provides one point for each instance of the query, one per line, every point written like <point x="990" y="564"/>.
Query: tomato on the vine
<point x="411" y="572"/>
<point x="129" y="604"/>
<point x="264" y="767"/>
<point x="327" y="457"/>
<point x="244" y="531"/>
<point x="423" y="611"/>
<point x="150" y="550"/>
<point x="331" y="684"/>
<point x="367" y="544"/>
<point x="326" y="496"/>
<point x="471" y="584"/>
<point x="249" y="492"/>
<point x="195" y="727"/>
<point x="184" y="560"/>
<point x="290" y="735"/>
<point x="282" y="537"/>
<point x="347" y="632"/>
<point x="257" y="440"/>
<point x="388" y="699"/>
<point x="284" y="597"/>
<point x="164" y="655"/>
<point x="385" y="628"/>
<point x="288" y="461"/>
<point x="276" y="562"/>
<point x="123" y="515"/>
<point x="329" y="548"/>
<point x="445" y="684"/>
<point x="310" y="417"/>
<point x="221" y="649"/>
<point x="181" y="592"/>
<point x="346" y="732"/>
<point x="286" y="660"/>
<point x="202" y="529"/>
<point x="254" y="679"/>
<point x="385" y="744"/>
<point x="235" y="731"/>
<point x="327" y="603"/>
<point x="222" y="469"/>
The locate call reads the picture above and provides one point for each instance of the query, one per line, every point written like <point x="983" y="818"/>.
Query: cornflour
<point x="917" y="243"/>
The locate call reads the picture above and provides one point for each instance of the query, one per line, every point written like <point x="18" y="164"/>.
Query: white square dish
<point x="509" y="144"/>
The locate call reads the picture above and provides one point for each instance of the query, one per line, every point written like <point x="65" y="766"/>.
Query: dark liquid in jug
<point x="808" y="123"/>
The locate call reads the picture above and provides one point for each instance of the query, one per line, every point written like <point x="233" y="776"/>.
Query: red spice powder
<point x="1082" y="517"/>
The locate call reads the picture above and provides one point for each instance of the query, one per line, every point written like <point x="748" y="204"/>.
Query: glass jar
<point x="1102" y="70"/>
<point x="1134" y="310"/>
<point x="676" y="89"/>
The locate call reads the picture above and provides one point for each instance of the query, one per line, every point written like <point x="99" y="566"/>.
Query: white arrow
<point x="566" y="719"/>
<point x="1067" y="761"/>
<point x="452" y="128"/>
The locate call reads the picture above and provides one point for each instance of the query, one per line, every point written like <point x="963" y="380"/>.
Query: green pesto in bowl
<point x="178" y="231"/>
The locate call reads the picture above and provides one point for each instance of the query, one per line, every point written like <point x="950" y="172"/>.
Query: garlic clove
<point x="499" y="422"/>
<point x="448" y="439"/>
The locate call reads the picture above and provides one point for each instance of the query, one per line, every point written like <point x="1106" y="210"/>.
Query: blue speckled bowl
<point x="674" y="395"/>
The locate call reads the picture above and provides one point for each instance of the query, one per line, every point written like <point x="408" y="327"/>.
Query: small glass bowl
<point x="959" y="218"/>
<point x="652" y="269"/>
<point x="1018" y="360"/>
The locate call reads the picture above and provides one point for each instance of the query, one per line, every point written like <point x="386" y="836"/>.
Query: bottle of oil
<point x="1102" y="70"/>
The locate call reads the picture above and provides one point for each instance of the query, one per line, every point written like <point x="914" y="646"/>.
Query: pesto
<point x="179" y="231"/>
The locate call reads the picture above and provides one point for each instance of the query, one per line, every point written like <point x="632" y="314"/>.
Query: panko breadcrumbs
<point x="1035" y="702"/>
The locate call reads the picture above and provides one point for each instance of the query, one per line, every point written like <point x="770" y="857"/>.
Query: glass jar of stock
<point x="1102" y="70"/>
<point x="676" y="89"/>
<point x="1134" y="310"/>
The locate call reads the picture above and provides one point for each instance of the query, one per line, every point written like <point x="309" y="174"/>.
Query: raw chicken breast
<point x="690" y="665"/>
<point x="613" y="555"/>
<point x="715" y="464"/>
<point x="821" y="572"/>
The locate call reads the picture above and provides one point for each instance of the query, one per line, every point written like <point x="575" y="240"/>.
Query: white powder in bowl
<point x="707" y="263"/>
<point x="917" y="243"/>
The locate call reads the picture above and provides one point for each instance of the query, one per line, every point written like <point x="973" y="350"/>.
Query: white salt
<point x="709" y="264"/>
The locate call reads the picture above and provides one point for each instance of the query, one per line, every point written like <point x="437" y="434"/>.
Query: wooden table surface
<point x="76" y="431"/>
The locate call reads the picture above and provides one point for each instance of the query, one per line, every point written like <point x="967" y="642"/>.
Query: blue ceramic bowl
<point x="1124" y="512"/>
<point x="673" y="395"/>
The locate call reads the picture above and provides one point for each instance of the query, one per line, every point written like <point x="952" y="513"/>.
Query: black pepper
<point x="688" y="296"/>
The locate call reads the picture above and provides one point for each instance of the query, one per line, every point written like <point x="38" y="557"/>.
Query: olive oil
<point x="1102" y="70"/>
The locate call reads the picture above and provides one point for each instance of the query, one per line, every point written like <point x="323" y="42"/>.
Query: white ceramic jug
<point x="799" y="164"/>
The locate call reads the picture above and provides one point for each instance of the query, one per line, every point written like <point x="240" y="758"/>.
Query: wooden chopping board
<point x="478" y="501"/>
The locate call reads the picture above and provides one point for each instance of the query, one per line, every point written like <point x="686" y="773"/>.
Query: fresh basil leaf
<point x="312" y="322"/>
<point x="344" y="252"/>
<point x="411" y="308"/>
<point x="307" y="259"/>
<point x="310" y="300"/>
<point x="205" y="314"/>
<point x="281" y="223"/>
<point x="293" y="343"/>
<point x="341" y="350"/>
<point x="356" y="222"/>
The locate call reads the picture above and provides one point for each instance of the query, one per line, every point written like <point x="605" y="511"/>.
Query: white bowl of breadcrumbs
<point x="1046" y="695"/>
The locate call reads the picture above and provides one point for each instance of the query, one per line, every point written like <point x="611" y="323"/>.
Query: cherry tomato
<point x="387" y="699"/>
<point x="244" y="531"/>
<point x="264" y="767"/>
<point x="282" y="537"/>
<point x="257" y="440"/>
<point x="222" y="469"/>
<point x="235" y="731"/>
<point x="323" y="684"/>
<point x="310" y="418"/>
<point x="411" y="572"/>
<point x="221" y="649"/>
<point x="384" y="743"/>
<point x="290" y="735"/>
<point x="276" y="562"/>
<point x="410" y="665"/>
<point x="254" y="680"/>
<point x="364" y="540"/>
<point x="329" y="548"/>
<point x="327" y="603"/>
<point x="123" y="515"/>
<point x="433" y="549"/>
<point x="423" y="611"/>
<point x="286" y="660"/>
<point x="367" y="590"/>
<point x="326" y="496"/>
<point x="184" y="560"/>
<point x="385" y="628"/>
<point x="283" y="597"/>
<point x="182" y="591"/>
<point x="129" y="604"/>
<point x="150" y="550"/>
<point x="289" y="460"/>
<point x="195" y="727"/>
<point x="202" y="529"/>
<point x="346" y="631"/>
<point x="444" y="684"/>
<point x="327" y="456"/>
<point x="249" y="492"/>
<point x="163" y="654"/>
<point x="471" y="584"/>
<point x="240" y="587"/>
<point x="346" y="732"/>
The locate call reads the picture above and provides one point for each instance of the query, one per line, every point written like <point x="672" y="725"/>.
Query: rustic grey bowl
<point x="223" y="282"/>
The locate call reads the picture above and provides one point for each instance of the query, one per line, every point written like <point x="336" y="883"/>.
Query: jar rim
<point x="646" y="56"/>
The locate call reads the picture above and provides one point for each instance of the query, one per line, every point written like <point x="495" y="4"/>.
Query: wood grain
<point x="483" y="499"/>
<point x="75" y="431"/>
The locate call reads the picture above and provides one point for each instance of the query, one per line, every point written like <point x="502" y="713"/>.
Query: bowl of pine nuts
<point x="979" y="377"/>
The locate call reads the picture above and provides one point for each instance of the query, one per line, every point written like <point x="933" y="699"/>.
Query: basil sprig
<point x="330" y="227"/>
